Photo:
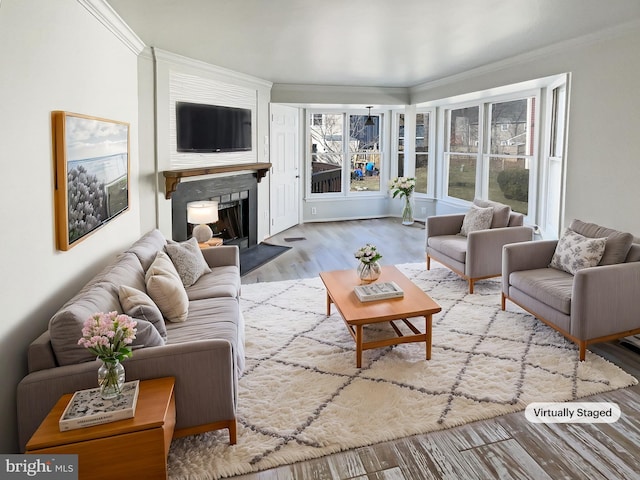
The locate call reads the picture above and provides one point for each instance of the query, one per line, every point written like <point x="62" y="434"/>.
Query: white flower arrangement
<point x="402" y="186"/>
<point x="368" y="254"/>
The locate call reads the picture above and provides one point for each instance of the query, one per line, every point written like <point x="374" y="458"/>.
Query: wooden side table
<point x="214" y="242"/>
<point x="135" y="447"/>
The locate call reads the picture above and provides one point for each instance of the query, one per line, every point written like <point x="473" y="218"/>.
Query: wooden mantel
<point x="173" y="177"/>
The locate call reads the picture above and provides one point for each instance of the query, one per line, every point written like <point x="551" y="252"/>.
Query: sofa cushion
<point x="221" y="282"/>
<point x="454" y="246"/>
<point x="575" y="252"/>
<point x="476" y="219"/>
<point x="548" y="285"/>
<point x="65" y="327"/>
<point x="166" y="290"/>
<point x="218" y="318"/>
<point x="139" y="305"/>
<point x="618" y="243"/>
<point x="501" y="212"/>
<point x="188" y="260"/>
<point x="147" y="246"/>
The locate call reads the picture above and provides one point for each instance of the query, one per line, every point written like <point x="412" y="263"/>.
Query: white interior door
<point x="285" y="176"/>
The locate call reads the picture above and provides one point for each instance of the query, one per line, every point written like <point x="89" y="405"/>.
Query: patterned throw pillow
<point x="188" y="260"/>
<point x="476" y="219"/>
<point x="575" y="252"/>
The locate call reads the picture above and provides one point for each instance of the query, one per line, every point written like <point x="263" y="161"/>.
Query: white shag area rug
<point x="302" y="397"/>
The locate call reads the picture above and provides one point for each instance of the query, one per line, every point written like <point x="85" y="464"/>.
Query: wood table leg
<point x="328" y="304"/>
<point x="359" y="334"/>
<point x="427" y="326"/>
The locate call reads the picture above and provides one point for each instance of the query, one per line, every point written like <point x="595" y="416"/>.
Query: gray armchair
<point x="597" y="304"/>
<point x="478" y="255"/>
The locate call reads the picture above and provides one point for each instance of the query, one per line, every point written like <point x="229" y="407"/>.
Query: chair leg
<point x="503" y="301"/>
<point x="428" y="262"/>
<point x="471" y="285"/>
<point x="583" y="350"/>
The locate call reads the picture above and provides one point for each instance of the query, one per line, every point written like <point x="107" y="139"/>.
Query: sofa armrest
<point x="222" y="256"/>
<point x="525" y="256"/>
<point x="205" y="383"/>
<point x="443" y="225"/>
<point x="604" y="300"/>
<point x="484" y="248"/>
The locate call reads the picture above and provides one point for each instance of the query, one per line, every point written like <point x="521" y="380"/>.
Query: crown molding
<point x="110" y="19"/>
<point x="177" y="59"/>
<point x="559" y="47"/>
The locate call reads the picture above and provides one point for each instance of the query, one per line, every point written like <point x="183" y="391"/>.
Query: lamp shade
<point x="202" y="212"/>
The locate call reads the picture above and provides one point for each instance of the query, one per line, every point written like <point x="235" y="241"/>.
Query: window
<point x="511" y="140"/>
<point x="461" y="156"/>
<point x="327" y="152"/>
<point x="345" y="153"/>
<point x="400" y="145"/>
<point x="422" y="151"/>
<point x="491" y="151"/>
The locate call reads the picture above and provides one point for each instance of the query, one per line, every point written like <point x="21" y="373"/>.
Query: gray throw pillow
<point x="618" y="243"/>
<point x="146" y="335"/>
<point x="188" y="260"/>
<point x="139" y="305"/>
<point x="476" y="219"/>
<point x="501" y="212"/>
<point x="575" y="252"/>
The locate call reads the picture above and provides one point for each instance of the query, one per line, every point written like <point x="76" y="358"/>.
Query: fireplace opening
<point x="232" y="226"/>
<point x="237" y="208"/>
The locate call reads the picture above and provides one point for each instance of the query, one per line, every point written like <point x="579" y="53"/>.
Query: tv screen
<point x="212" y="128"/>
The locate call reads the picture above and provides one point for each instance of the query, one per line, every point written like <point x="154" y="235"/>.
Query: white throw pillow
<point x="188" y="260"/>
<point x="166" y="289"/>
<point x="139" y="305"/>
<point x="476" y="219"/>
<point x="575" y="252"/>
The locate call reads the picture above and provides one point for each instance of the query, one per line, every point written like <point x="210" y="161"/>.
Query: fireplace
<point x="237" y="208"/>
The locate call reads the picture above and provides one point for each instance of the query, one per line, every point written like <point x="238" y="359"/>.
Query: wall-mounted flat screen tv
<point x="212" y="128"/>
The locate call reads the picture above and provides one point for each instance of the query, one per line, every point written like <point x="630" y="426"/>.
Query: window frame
<point x="345" y="192"/>
<point x="410" y="153"/>
<point x="483" y="156"/>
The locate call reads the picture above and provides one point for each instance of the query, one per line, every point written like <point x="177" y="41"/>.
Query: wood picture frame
<point x="91" y="171"/>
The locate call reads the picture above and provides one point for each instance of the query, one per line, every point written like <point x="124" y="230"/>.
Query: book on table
<point x="87" y="408"/>
<point x="378" y="291"/>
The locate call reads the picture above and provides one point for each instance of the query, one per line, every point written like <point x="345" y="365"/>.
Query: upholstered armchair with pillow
<point x="586" y="285"/>
<point x="471" y="244"/>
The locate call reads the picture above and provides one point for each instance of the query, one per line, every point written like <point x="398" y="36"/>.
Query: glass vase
<point x="369" y="272"/>
<point x="110" y="379"/>
<point x="407" y="210"/>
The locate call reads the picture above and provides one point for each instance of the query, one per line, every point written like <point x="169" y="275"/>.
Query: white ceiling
<point x="383" y="43"/>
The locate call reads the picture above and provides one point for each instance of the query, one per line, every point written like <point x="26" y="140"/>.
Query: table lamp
<point x="202" y="213"/>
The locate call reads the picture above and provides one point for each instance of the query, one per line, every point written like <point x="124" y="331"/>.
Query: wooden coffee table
<point x="357" y="314"/>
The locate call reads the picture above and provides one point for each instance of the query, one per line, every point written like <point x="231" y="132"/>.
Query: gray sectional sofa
<point x="586" y="285"/>
<point x="203" y="349"/>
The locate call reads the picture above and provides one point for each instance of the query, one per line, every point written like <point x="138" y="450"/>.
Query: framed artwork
<point x="91" y="174"/>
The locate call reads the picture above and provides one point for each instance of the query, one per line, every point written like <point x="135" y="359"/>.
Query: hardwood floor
<point x="500" y="448"/>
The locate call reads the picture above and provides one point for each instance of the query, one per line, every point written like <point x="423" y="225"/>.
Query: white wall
<point x="54" y="56"/>
<point x="181" y="78"/>
<point x="603" y="170"/>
